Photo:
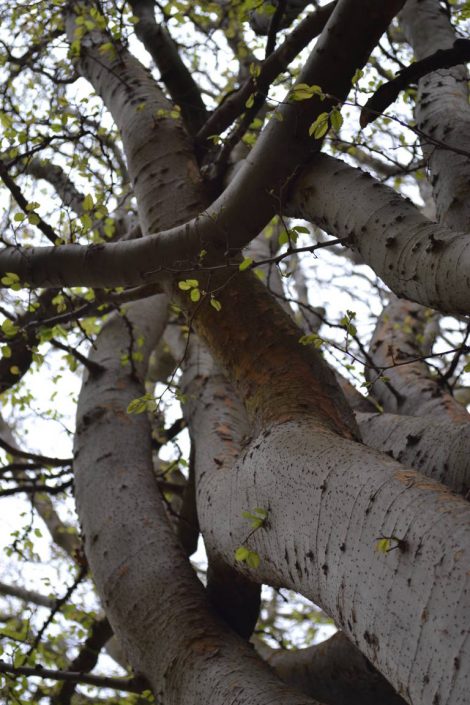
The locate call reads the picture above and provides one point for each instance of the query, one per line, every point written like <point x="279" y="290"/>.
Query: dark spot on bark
<point x="286" y="556"/>
<point x="456" y="663"/>
<point x="325" y="568"/>
<point x="298" y="568"/>
<point x="371" y="639"/>
<point x="342" y="547"/>
<point x="323" y="487"/>
<point x="124" y="487"/>
<point x="390" y="241"/>
<point x="436" y="699"/>
<point x="412" y="439"/>
<point x="94" y="538"/>
<point x="434" y="245"/>
<point x="426" y="679"/>
<point x="309" y="555"/>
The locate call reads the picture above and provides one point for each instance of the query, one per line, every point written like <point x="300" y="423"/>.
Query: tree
<point x="155" y="186"/>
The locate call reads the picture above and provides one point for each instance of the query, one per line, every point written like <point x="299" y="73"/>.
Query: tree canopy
<point x="235" y="271"/>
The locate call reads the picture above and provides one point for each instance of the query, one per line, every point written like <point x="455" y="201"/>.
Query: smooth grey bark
<point x="151" y="594"/>
<point x="217" y="444"/>
<point x="332" y="671"/>
<point x="335" y="672"/>
<point x="437" y="447"/>
<point x="442" y="111"/>
<point x="329" y="500"/>
<point x="416" y="258"/>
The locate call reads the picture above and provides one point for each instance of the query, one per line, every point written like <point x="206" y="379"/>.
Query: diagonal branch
<point x="174" y="74"/>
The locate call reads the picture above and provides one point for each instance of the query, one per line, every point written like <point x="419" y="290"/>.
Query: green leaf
<point x="283" y="238"/>
<point x="188" y="284"/>
<point x="19" y="217"/>
<point x="215" y="303"/>
<point x="319" y="128"/>
<point x="9" y="329"/>
<point x="195" y="295"/>
<point x="358" y="74"/>
<point x="301" y="229"/>
<point x="336" y="119"/>
<point x="241" y="554"/>
<point x="10" y="279"/>
<point x="247" y="262"/>
<point x="250" y="102"/>
<point x="141" y="404"/>
<point x="383" y="545"/>
<point x="302" y="91"/>
<point x="87" y="203"/>
<point x="252" y="559"/>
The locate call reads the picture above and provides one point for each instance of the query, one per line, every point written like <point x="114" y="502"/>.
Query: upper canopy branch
<point x="255" y="194"/>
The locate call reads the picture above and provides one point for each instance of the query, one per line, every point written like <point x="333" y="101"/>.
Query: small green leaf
<point x="141" y="404"/>
<point x="9" y="329"/>
<point x="320" y="126"/>
<point x="241" y="554"/>
<point x="301" y="229"/>
<point x="358" y="74"/>
<point x="336" y="119"/>
<point x="87" y="203"/>
<point x="383" y="545"/>
<point x="215" y="303"/>
<point x="195" y="295"/>
<point x="250" y="102"/>
<point x="252" y="559"/>
<point x="302" y="91"/>
<point x="247" y="262"/>
<point x="19" y="217"/>
<point x="10" y="279"/>
<point x="283" y="238"/>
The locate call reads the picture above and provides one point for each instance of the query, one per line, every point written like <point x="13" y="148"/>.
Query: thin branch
<point x="35" y="457"/>
<point x="128" y="685"/>
<point x="274" y="27"/>
<point x="278" y="61"/>
<point x="100" y="632"/>
<point x="17" y="194"/>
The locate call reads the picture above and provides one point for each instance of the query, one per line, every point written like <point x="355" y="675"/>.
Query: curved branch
<point x="416" y="258"/>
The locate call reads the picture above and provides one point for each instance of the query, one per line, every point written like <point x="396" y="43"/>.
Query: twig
<point x="128" y="685"/>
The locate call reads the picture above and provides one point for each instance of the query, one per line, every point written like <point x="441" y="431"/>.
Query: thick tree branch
<point x="255" y="194"/>
<point x="174" y="74"/>
<point x="416" y="258"/>
<point x="389" y="92"/>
